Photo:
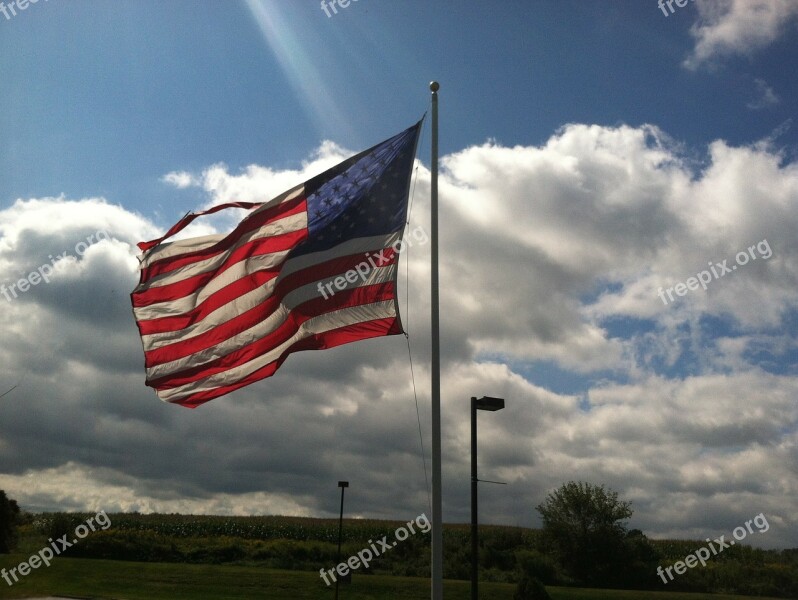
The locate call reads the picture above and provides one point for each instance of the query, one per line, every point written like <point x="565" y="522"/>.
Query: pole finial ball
<point x="434" y="86"/>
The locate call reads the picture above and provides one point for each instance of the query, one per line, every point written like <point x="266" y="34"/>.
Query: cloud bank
<point x="551" y="261"/>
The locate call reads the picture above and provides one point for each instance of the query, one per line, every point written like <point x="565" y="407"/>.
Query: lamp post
<point x="491" y="404"/>
<point x="342" y="485"/>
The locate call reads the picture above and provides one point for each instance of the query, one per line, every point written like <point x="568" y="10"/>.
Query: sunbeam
<point x="305" y="77"/>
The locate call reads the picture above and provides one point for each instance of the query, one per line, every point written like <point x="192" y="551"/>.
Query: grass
<point x="120" y="580"/>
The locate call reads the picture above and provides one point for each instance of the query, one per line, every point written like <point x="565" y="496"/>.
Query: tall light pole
<point x="435" y="365"/>
<point x="342" y="485"/>
<point x="491" y="404"/>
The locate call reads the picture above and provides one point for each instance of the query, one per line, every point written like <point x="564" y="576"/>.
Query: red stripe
<point x="200" y="312"/>
<point x="247" y="284"/>
<point x="181" y="289"/>
<point x="186" y="287"/>
<point x="245" y="320"/>
<point x="322" y="341"/>
<point x="182" y="223"/>
<point x="250" y="223"/>
<point x="317" y="306"/>
<point x="329" y="269"/>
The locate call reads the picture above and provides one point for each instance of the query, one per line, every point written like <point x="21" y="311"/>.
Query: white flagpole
<point x="437" y="505"/>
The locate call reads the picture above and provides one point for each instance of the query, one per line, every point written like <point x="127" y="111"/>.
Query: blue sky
<point x="593" y="154"/>
<point x="106" y="96"/>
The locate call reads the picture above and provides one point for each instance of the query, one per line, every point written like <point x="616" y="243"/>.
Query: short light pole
<point x="342" y="485"/>
<point x="491" y="404"/>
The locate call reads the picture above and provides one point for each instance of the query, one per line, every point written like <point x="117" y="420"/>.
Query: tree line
<point x="585" y="541"/>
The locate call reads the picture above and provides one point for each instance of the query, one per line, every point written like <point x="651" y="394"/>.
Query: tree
<point x="583" y="524"/>
<point x="9" y="516"/>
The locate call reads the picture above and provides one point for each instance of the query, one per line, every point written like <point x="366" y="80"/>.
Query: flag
<point x="311" y="269"/>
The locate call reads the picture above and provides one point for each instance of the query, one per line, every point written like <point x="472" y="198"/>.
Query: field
<point x="107" y="579"/>
<point x="178" y="557"/>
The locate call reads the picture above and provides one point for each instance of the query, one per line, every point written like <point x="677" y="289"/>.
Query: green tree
<point x="583" y="525"/>
<point x="9" y="516"/>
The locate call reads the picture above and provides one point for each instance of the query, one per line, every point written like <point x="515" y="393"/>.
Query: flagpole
<point x="437" y="505"/>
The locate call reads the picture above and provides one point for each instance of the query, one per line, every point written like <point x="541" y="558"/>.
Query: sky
<point x="618" y="208"/>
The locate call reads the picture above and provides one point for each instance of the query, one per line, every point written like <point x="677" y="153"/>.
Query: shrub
<point x="61" y="524"/>
<point x="530" y="588"/>
<point x="535" y="565"/>
<point x="127" y="545"/>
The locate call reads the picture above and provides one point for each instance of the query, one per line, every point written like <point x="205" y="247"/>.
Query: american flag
<point x="219" y="312"/>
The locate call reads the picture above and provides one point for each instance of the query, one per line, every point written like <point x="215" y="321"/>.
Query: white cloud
<point x="729" y="27"/>
<point x="766" y="97"/>
<point x="256" y="183"/>
<point x="179" y="179"/>
<point x="551" y="255"/>
<point x="75" y="487"/>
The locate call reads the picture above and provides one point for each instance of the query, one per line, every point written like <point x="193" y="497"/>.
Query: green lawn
<point x="157" y="581"/>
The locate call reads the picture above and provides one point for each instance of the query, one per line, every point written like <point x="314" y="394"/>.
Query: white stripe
<point x="257" y="296"/>
<point x="373" y="275"/>
<point x="282" y="226"/>
<point x="353" y="246"/>
<point x="231" y="275"/>
<point x="178" y="247"/>
<point x="258" y="331"/>
<point x="242" y="304"/>
<point x="187" y="303"/>
<point x="316" y="325"/>
<point x="217" y="318"/>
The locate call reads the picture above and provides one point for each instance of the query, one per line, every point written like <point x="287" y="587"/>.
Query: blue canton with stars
<point x="364" y="196"/>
